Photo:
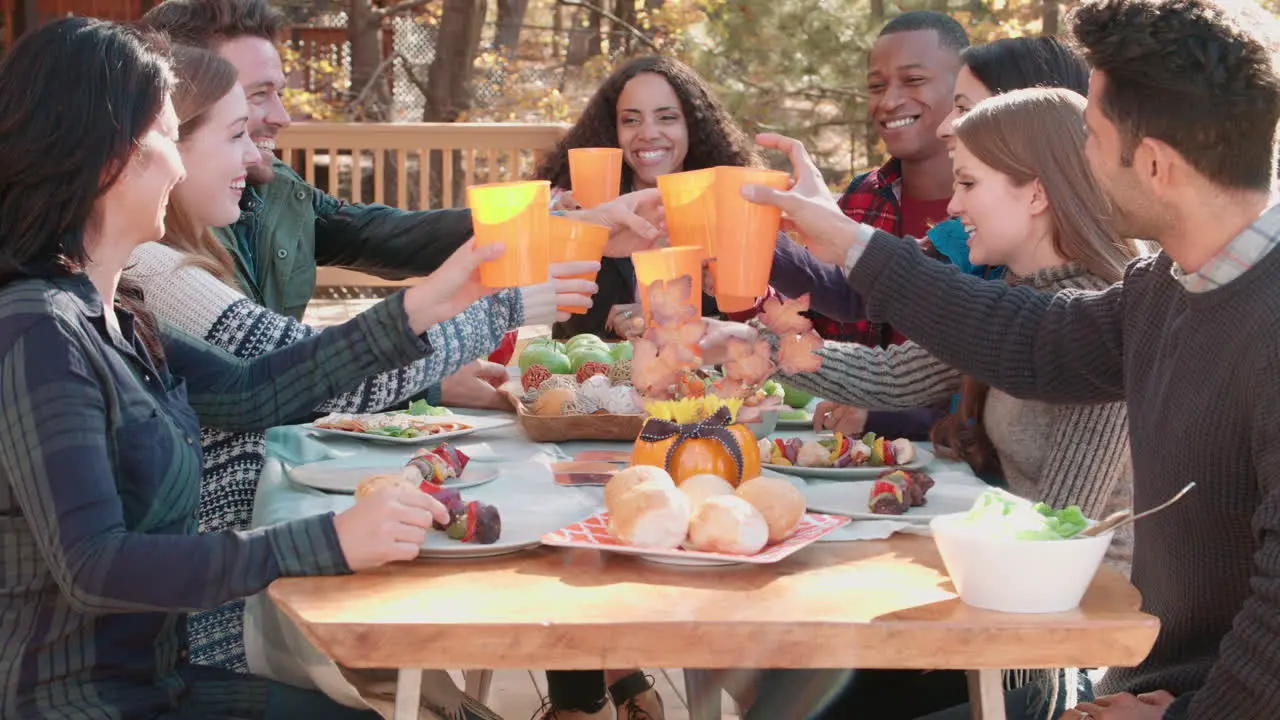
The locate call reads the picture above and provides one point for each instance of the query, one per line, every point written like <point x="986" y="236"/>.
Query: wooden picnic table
<point x="872" y="604"/>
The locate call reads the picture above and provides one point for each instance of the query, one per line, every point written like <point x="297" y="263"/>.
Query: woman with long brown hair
<point x="189" y="282"/>
<point x="1025" y="194"/>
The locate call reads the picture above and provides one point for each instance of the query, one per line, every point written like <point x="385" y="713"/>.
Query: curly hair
<point x="1187" y="73"/>
<point x="714" y="138"/>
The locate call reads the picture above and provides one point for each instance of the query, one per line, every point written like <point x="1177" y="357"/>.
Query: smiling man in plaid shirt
<point x="911" y="82"/>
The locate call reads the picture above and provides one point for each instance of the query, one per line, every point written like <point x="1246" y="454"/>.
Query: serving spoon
<point x="1121" y="518"/>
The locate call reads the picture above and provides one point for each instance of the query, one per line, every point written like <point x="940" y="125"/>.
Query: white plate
<point x="477" y="423"/>
<point x="342" y="475"/>
<point x="923" y="458"/>
<point x="531" y="505"/>
<point x="850" y="500"/>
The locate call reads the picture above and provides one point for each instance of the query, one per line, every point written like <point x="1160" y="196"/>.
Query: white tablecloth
<point x="278" y="650"/>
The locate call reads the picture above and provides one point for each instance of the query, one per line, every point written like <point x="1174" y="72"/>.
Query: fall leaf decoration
<point x="798" y="353"/>
<point x="664" y="365"/>
<point x="797" y="341"/>
<point x="749" y="363"/>
<point x="655" y="369"/>
<point x="783" y="317"/>
<point x="687" y="334"/>
<point x="669" y="301"/>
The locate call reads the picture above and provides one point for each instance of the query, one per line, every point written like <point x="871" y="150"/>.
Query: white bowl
<point x="766" y="425"/>
<point x="1017" y="576"/>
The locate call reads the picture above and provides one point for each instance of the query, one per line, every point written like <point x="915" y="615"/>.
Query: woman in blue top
<point x="100" y="446"/>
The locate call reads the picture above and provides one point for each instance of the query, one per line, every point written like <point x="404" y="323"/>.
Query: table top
<point x="884" y="604"/>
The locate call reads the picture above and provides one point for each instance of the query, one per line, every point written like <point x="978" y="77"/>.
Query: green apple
<point x="795" y="398"/>
<point x="546" y="356"/>
<point x="585" y="341"/>
<point x="621" y="351"/>
<point x="583" y="355"/>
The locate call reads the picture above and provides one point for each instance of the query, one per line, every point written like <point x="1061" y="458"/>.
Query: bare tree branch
<point x="413" y="76"/>
<point x="631" y="29"/>
<point x="373" y="80"/>
<point x="400" y="7"/>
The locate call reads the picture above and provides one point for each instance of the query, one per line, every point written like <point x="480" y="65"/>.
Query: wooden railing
<point x="411" y="165"/>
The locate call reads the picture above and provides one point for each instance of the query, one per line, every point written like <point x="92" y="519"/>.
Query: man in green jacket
<point x="287" y="228"/>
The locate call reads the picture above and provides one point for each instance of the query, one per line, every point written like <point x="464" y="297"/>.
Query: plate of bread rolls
<point x="703" y="521"/>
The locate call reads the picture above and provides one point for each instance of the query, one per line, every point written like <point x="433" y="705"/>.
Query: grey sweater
<point x="1198" y="373"/>
<point x="1060" y="454"/>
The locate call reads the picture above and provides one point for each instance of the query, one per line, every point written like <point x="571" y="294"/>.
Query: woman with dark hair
<point x="99" y="451"/>
<point x="189" y="282"/>
<point x="666" y="120"/>
<point x="989" y="70"/>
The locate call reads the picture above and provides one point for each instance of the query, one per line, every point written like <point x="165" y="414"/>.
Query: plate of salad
<point x="419" y="423"/>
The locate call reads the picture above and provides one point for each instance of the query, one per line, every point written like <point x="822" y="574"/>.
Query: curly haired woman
<point x="666" y="120"/>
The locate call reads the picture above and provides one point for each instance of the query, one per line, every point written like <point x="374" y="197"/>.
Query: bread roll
<point x="621" y="483"/>
<point x="700" y="487"/>
<point x="652" y="514"/>
<point x="778" y="501"/>
<point x="374" y="483"/>
<point x="728" y="524"/>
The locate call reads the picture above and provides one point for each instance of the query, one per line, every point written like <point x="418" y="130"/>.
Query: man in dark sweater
<point x="1183" y="108"/>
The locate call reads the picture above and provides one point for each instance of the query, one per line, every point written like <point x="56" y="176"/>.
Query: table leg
<point x="986" y="694"/>
<point x="478" y="683"/>
<point x="408" y="693"/>
<point x="703" y="693"/>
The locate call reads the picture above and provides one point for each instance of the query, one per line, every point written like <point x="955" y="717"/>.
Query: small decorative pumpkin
<point x="713" y="446"/>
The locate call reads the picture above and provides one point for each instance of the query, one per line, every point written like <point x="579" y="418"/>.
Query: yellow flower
<point x="691" y="410"/>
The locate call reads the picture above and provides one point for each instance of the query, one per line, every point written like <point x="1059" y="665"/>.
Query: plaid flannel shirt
<point x="873" y="198"/>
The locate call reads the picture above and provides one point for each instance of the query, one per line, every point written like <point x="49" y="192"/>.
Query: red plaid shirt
<point x="873" y="199"/>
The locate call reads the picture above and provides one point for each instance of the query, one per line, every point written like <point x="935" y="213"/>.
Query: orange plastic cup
<point x="746" y="232"/>
<point x="669" y="264"/>
<point x="596" y="175"/>
<point x="573" y="240"/>
<point x="514" y="213"/>
<point x="690" y="207"/>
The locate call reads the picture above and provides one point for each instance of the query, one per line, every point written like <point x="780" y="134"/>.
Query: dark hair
<point x="951" y="34"/>
<point x="714" y="137"/>
<point x="1027" y="62"/>
<point x="204" y="78"/>
<point x="206" y="23"/>
<point x="1188" y="74"/>
<point x="79" y="95"/>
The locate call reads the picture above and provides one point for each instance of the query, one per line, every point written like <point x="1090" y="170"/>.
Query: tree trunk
<point x="877" y="9"/>
<point x="368" y="85"/>
<point x="652" y="5"/>
<point x="595" y="38"/>
<point x="620" y="35"/>
<point x="580" y="40"/>
<point x="510" y="21"/>
<point x="448" y="93"/>
<point x="1049" y="18"/>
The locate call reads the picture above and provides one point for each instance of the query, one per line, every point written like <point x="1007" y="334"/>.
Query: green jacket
<point x="287" y="228"/>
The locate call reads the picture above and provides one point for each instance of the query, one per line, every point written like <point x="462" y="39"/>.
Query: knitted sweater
<point x="1059" y="454"/>
<point x="1197" y="371"/>
<point x="197" y="302"/>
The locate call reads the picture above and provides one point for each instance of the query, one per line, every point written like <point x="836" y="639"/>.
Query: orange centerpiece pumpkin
<point x="714" y="446"/>
<point x="694" y="428"/>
